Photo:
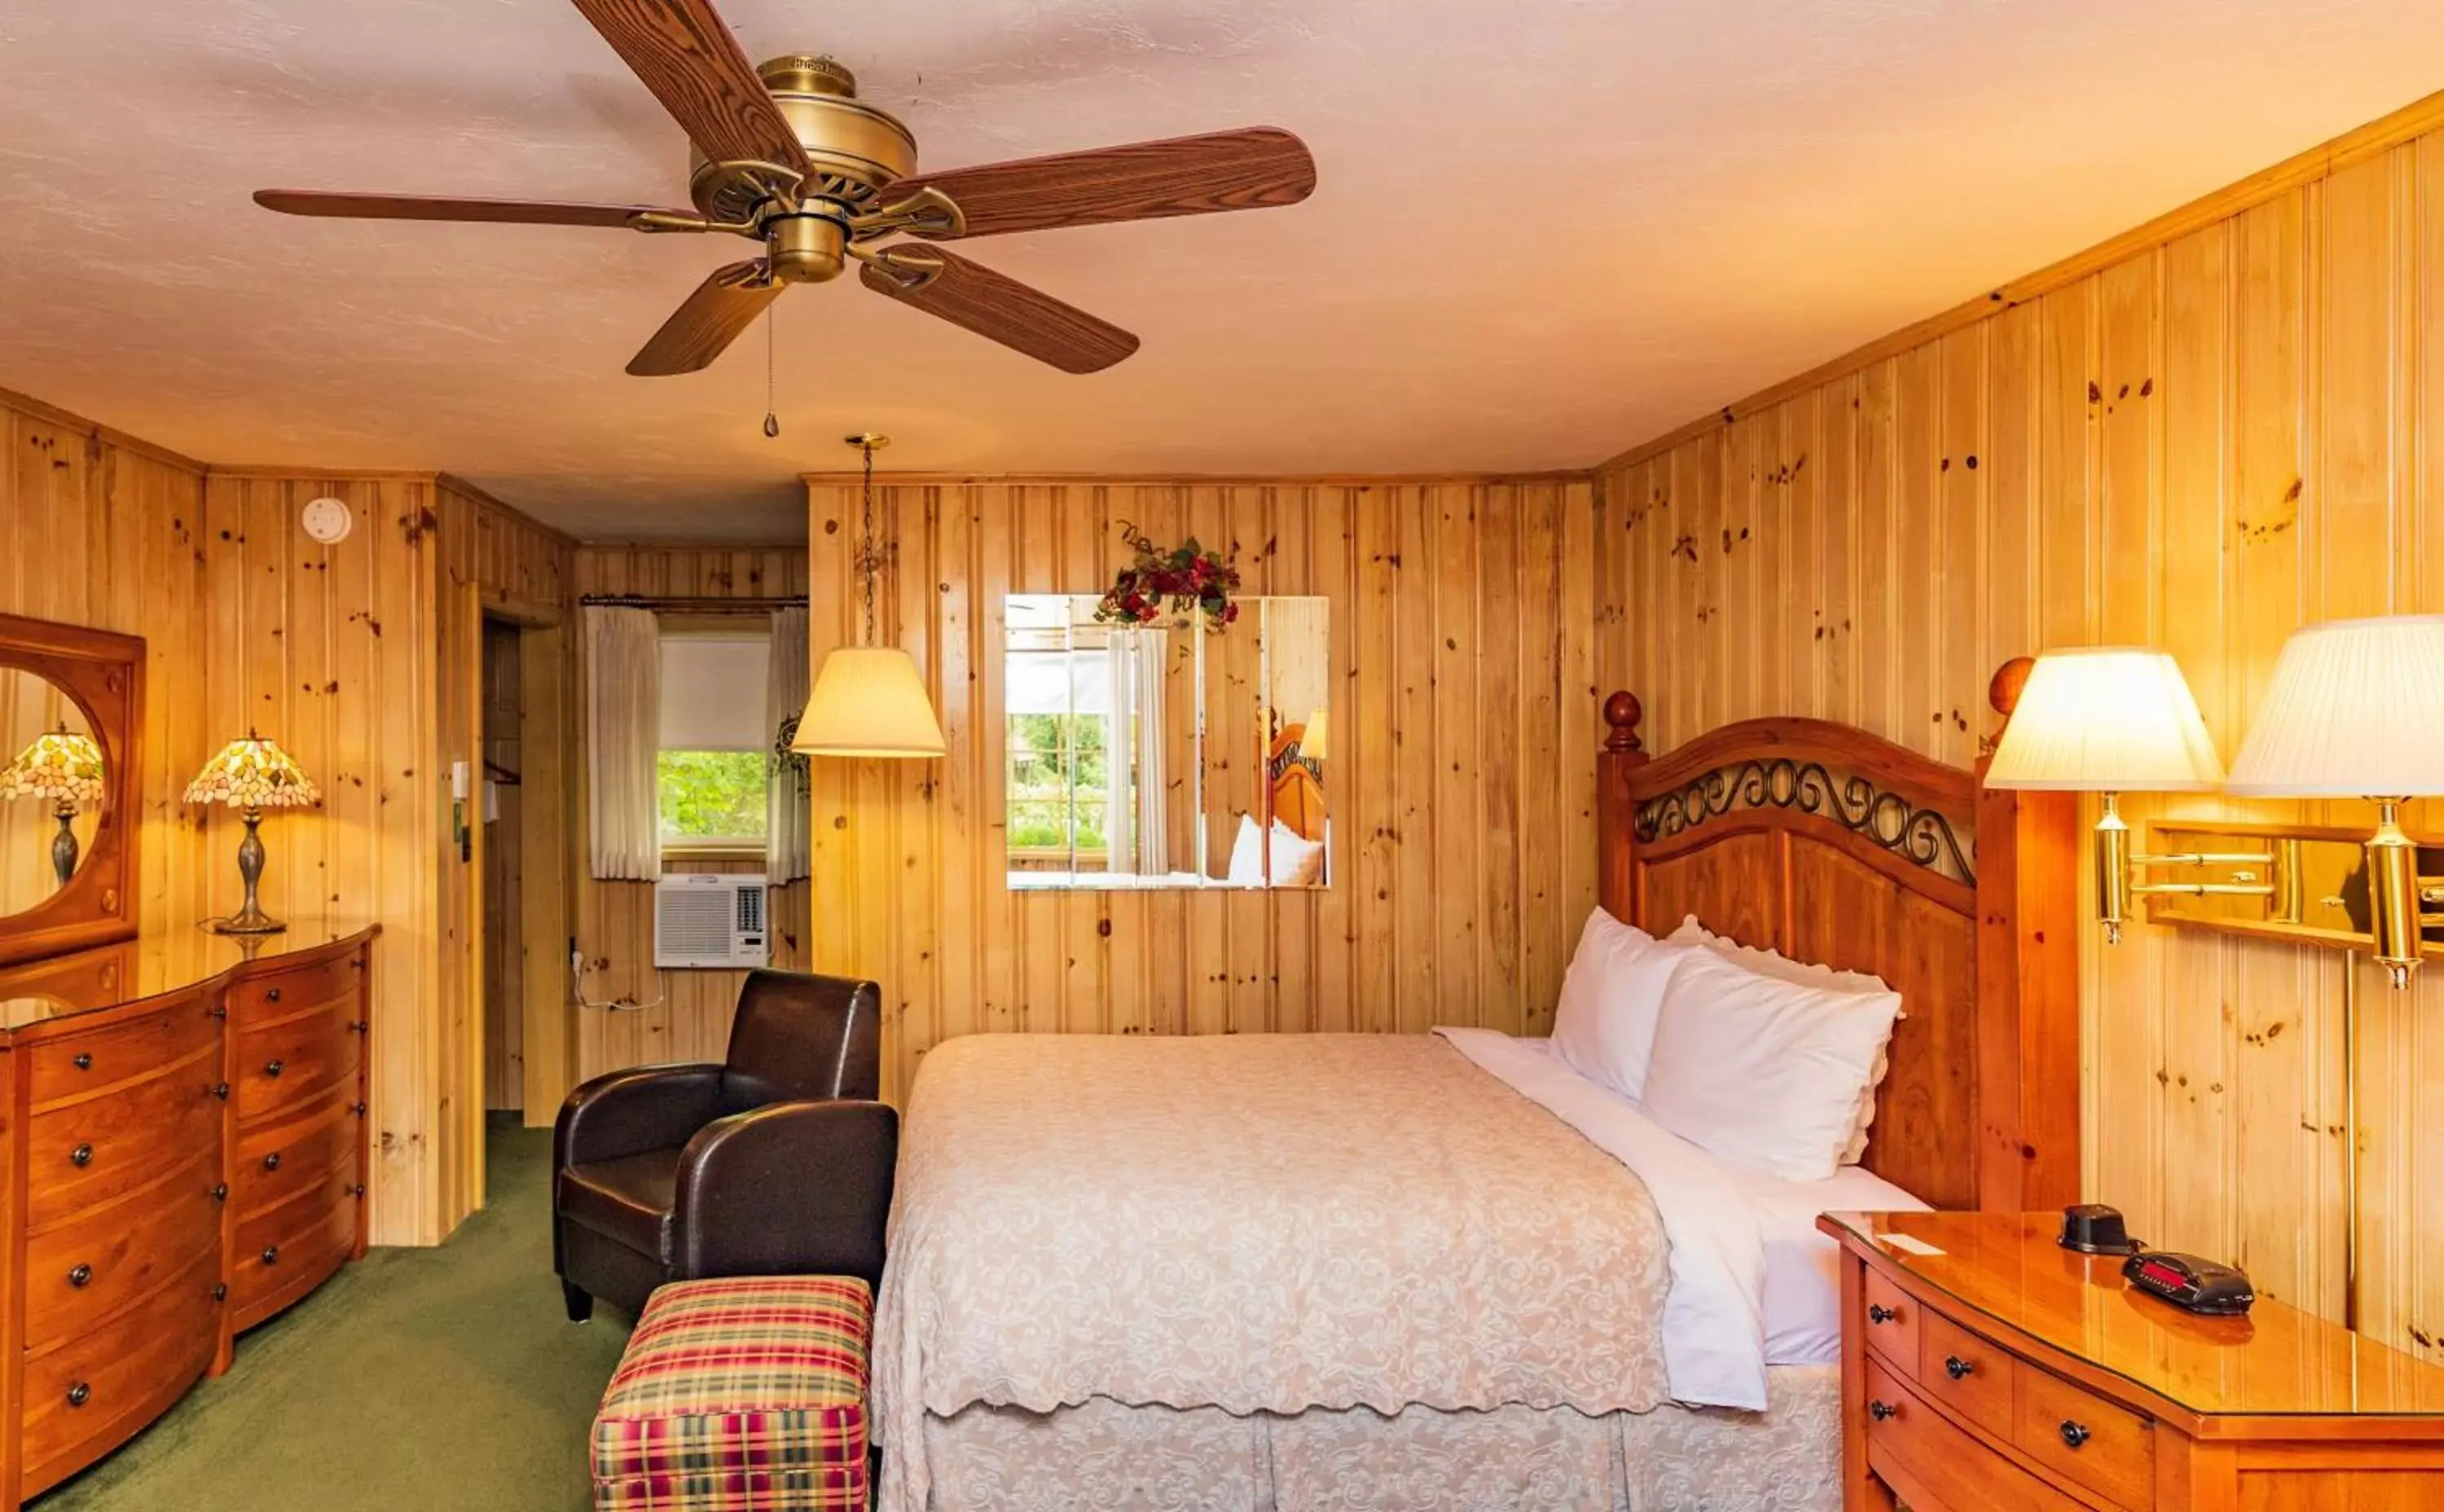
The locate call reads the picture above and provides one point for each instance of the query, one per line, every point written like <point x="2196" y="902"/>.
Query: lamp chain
<point x="869" y="559"/>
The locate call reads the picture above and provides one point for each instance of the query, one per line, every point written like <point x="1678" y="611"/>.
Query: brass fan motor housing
<point x="859" y="151"/>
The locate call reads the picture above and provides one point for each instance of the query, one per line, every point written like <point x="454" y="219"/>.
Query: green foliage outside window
<point x="710" y="794"/>
<point x="1057" y="782"/>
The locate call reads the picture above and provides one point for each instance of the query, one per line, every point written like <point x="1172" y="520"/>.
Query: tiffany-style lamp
<point x="253" y="774"/>
<point x="65" y="770"/>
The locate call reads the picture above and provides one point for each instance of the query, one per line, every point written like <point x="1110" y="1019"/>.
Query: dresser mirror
<point x="1169" y="755"/>
<point x="69" y="702"/>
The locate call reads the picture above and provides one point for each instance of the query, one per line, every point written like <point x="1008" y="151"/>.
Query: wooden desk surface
<point x="2275" y="1361"/>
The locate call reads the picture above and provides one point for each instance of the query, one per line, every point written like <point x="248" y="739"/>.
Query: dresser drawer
<point x="74" y="1066"/>
<point x="87" y="1269"/>
<point x="282" y="993"/>
<point x="285" y="1251"/>
<point x="1938" y="1468"/>
<point x="90" y="1151"/>
<point x="2100" y="1445"/>
<point x="277" y="1160"/>
<point x="1892" y="1326"/>
<point x="1971" y="1376"/>
<point x="86" y="1395"/>
<point x="290" y="1061"/>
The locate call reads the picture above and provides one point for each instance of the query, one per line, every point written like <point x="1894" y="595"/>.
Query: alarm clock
<point x="2190" y="1282"/>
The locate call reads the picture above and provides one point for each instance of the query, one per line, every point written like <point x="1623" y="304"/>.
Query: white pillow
<point x="1291" y="854"/>
<point x="1764" y="1073"/>
<point x="1775" y="964"/>
<point x="1604" y="1026"/>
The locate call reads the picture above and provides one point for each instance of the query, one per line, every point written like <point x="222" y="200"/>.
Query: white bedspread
<point x="1752" y="1283"/>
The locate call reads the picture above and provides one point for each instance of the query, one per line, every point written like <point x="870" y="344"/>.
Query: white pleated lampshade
<point x="2106" y="719"/>
<point x="868" y="701"/>
<point x="2356" y="710"/>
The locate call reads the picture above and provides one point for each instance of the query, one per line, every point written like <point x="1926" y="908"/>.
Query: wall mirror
<point x="1169" y="755"/>
<point x="2318" y="876"/>
<point x="68" y="704"/>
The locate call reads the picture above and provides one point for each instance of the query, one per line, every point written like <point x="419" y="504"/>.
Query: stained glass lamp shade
<point x="253" y="774"/>
<point x="65" y="769"/>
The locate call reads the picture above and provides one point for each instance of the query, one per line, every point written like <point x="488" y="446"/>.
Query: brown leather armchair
<point x="777" y="1161"/>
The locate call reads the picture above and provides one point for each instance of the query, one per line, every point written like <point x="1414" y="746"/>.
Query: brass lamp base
<point x="249" y="919"/>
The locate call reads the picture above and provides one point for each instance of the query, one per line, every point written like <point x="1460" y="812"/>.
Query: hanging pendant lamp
<point x="869" y="700"/>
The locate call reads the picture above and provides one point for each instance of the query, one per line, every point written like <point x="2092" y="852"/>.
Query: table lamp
<point x="63" y="769"/>
<point x="2114" y="720"/>
<point x="2356" y="710"/>
<point x="253" y="774"/>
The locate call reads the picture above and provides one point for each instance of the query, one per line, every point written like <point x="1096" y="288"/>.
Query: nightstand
<point x="1983" y="1366"/>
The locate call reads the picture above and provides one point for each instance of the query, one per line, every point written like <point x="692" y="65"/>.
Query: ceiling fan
<point x="787" y="155"/>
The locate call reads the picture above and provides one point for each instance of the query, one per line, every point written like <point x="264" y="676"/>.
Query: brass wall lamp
<point x="2356" y="710"/>
<point x="2114" y="720"/>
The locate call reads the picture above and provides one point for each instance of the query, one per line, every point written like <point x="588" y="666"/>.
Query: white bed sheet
<point x="1752" y="1284"/>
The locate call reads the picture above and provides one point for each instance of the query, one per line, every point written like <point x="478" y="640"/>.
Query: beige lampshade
<point x="253" y="773"/>
<point x="869" y="701"/>
<point x="61" y="767"/>
<point x="1311" y="745"/>
<point x="2106" y="719"/>
<point x="2356" y="710"/>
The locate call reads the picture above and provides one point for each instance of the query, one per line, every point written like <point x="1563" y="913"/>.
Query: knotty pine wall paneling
<point x="1462" y="779"/>
<point x="338" y="653"/>
<point x="2200" y="438"/>
<point x="684" y="1015"/>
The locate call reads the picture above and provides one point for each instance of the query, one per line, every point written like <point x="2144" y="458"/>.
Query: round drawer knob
<point x="2074" y="1435"/>
<point x="220" y="1090"/>
<point x="360" y="1026"/>
<point x="273" y="1068"/>
<point x="1956" y="1368"/>
<point x="220" y="1191"/>
<point x="1880" y="1313"/>
<point x="358" y="1110"/>
<point x="273" y="996"/>
<point x="81" y="1276"/>
<point x="271" y="1254"/>
<point x="81" y="1155"/>
<point x="1881" y="1410"/>
<point x="357" y="1191"/>
<point x="221" y="1292"/>
<point x="80" y="1394"/>
<point x="271" y="1161"/>
<point x="83" y="1063"/>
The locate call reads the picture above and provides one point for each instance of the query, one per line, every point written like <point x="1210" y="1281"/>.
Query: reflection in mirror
<point x="2319" y="875"/>
<point x="1165" y="755"/>
<point x="50" y="789"/>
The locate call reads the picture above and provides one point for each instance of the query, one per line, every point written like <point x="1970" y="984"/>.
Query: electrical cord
<point x="577" y="984"/>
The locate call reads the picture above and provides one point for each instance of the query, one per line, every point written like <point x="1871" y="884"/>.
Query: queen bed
<point x="1350" y="1271"/>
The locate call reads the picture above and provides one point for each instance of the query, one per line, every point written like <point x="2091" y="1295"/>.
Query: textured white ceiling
<point x="1544" y="230"/>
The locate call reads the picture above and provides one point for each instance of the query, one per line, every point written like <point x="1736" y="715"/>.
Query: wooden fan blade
<point x="1252" y="169"/>
<point x="428" y="207"/>
<point x="998" y="308"/>
<point x="694" y="66"/>
<point x="699" y="330"/>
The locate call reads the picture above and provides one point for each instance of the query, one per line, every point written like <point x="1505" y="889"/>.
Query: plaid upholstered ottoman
<point x="745" y="1394"/>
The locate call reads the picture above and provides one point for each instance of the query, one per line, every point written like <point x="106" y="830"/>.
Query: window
<point x="1058" y="703"/>
<point x="710" y="774"/>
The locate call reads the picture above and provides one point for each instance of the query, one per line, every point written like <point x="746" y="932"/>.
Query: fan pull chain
<point x="771" y="414"/>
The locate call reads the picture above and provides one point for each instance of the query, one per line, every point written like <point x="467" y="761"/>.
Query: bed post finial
<point x="1623" y="711"/>
<point x="2004" y="691"/>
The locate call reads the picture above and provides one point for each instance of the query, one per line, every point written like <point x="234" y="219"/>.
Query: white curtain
<point x="788" y="828"/>
<point x="623" y="722"/>
<point x="1135" y="780"/>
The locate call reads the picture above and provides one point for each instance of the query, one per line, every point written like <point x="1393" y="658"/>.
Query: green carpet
<point x="414" y="1379"/>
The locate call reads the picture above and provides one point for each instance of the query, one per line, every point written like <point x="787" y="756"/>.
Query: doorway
<point x="503" y="790"/>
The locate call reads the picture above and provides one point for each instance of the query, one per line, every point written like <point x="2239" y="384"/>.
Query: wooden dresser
<point x="2004" y="1372"/>
<point x="186" y="1156"/>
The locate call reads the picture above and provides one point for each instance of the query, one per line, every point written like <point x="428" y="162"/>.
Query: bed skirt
<point x="1110" y="1457"/>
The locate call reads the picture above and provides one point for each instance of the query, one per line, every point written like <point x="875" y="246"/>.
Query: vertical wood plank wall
<point x="687" y="1014"/>
<point x="1462" y="790"/>
<point x="338" y="653"/>
<point x="2200" y="446"/>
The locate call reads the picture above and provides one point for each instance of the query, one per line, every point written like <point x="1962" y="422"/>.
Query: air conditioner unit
<point x="710" y="920"/>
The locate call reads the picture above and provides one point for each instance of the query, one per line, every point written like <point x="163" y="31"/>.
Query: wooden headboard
<point x="1833" y="845"/>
